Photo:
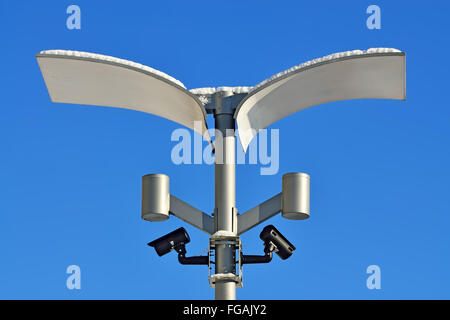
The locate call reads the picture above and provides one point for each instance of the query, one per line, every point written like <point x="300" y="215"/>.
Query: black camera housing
<point x="272" y="237"/>
<point x="175" y="239"/>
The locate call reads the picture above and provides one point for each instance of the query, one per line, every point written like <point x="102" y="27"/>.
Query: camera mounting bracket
<point x="219" y="239"/>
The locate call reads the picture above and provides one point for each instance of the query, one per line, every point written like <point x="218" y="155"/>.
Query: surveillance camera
<point x="273" y="238"/>
<point x="174" y="240"/>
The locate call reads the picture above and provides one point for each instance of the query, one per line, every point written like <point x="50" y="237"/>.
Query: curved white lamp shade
<point x="93" y="79"/>
<point x="372" y="74"/>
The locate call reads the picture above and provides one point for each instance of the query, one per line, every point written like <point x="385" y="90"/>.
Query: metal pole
<point x="225" y="196"/>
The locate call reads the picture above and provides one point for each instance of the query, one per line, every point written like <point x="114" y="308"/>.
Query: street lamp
<point x="93" y="79"/>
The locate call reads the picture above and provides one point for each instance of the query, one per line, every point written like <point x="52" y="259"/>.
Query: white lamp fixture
<point x="93" y="79"/>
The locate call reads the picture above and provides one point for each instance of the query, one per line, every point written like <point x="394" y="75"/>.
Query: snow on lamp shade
<point x="295" y="196"/>
<point x="94" y="79"/>
<point x="155" y="197"/>
<point x="377" y="73"/>
<point x="99" y="80"/>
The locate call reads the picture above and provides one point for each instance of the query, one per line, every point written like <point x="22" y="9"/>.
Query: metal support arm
<point x="196" y="260"/>
<point x="191" y="215"/>
<point x="266" y="258"/>
<point x="259" y="214"/>
<point x="252" y="259"/>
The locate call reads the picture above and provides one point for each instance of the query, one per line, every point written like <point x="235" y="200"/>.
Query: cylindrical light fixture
<point x="155" y="197"/>
<point x="295" y="198"/>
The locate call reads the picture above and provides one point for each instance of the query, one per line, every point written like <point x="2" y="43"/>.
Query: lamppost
<point x="92" y="79"/>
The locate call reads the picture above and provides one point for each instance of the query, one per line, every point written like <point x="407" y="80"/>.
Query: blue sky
<point x="70" y="175"/>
